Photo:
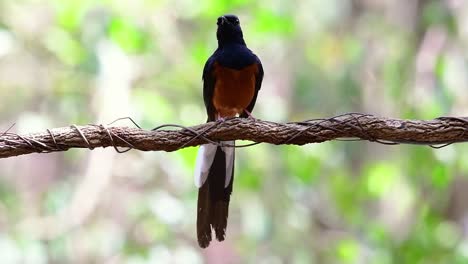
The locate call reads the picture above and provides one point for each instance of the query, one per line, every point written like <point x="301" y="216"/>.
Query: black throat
<point x="229" y="35"/>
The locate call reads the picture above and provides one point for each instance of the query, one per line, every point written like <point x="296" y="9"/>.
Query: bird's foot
<point x="220" y="119"/>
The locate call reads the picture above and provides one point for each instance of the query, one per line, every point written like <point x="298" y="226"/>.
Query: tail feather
<point x="214" y="197"/>
<point x="221" y="212"/>
<point x="205" y="157"/>
<point x="204" y="216"/>
<point x="229" y="152"/>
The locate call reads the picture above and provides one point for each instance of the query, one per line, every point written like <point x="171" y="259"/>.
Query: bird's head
<point x="229" y="30"/>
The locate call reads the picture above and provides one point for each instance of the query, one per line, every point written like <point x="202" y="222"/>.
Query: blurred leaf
<point x="267" y="21"/>
<point x="348" y="200"/>
<point x="303" y="167"/>
<point x="447" y="234"/>
<point x="57" y="247"/>
<point x="215" y="8"/>
<point x="437" y="14"/>
<point x="57" y="198"/>
<point x="154" y="108"/>
<point x="348" y="251"/>
<point x="249" y="178"/>
<point x="8" y="198"/>
<point x="65" y="47"/>
<point x="441" y="176"/>
<point x="379" y="234"/>
<point x="200" y="52"/>
<point x="71" y="13"/>
<point x="188" y="156"/>
<point x="130" y="38"/>
<point x="419" y="155"/>
<point x="381" y="177"/>
<point x="440" y="67"/>
<point x="397" y="70"/>
<point x="154" y="230"/>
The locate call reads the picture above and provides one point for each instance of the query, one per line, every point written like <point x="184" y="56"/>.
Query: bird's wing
<point x="208" y="87"/>
<point x="258" y="85"/>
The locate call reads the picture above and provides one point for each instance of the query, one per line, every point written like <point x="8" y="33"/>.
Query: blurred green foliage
<point x="66" y="62"/>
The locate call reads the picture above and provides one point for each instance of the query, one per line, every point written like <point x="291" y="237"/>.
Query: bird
<point x="232" y="77"/>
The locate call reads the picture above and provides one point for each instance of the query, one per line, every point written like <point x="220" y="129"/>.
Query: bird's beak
<point x="222" y="20"/>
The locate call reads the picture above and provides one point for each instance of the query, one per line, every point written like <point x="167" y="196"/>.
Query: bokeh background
<point x="80" y="62"/>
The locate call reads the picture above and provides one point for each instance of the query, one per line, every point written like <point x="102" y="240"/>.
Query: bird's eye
<point x="236" y="21"/>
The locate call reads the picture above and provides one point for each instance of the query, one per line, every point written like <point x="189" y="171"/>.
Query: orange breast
<point x="234" y="89"/>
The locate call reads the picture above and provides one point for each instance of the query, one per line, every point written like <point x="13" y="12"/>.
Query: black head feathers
<point x="229" y="30"/>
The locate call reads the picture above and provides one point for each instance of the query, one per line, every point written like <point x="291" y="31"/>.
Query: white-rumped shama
<point x="231" y="80"/>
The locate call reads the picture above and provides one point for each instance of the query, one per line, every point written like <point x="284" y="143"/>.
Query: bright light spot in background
<point x="298" y="217"/>
<point x="159" y="254"/>
<point x="393" y="213"/>
<point x="162" y="254"/>
<point x="381" y="177"/>
<point x="462" y="249"/>
<point x="6" y="43"/>
<point x="348" y="251"/>
<point x="10" y="252"/>
<point x="254" y="218"/>
<point x="30" y="121"/>
<point x="447" y="234"/>
<point x="166" y="207"/>
<point x="447" y="155"/>
<point x="273" y="108"/>
<point x="186" y="254"/>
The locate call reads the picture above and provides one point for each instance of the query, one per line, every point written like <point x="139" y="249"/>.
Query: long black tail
<point x="213" y="201"/>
